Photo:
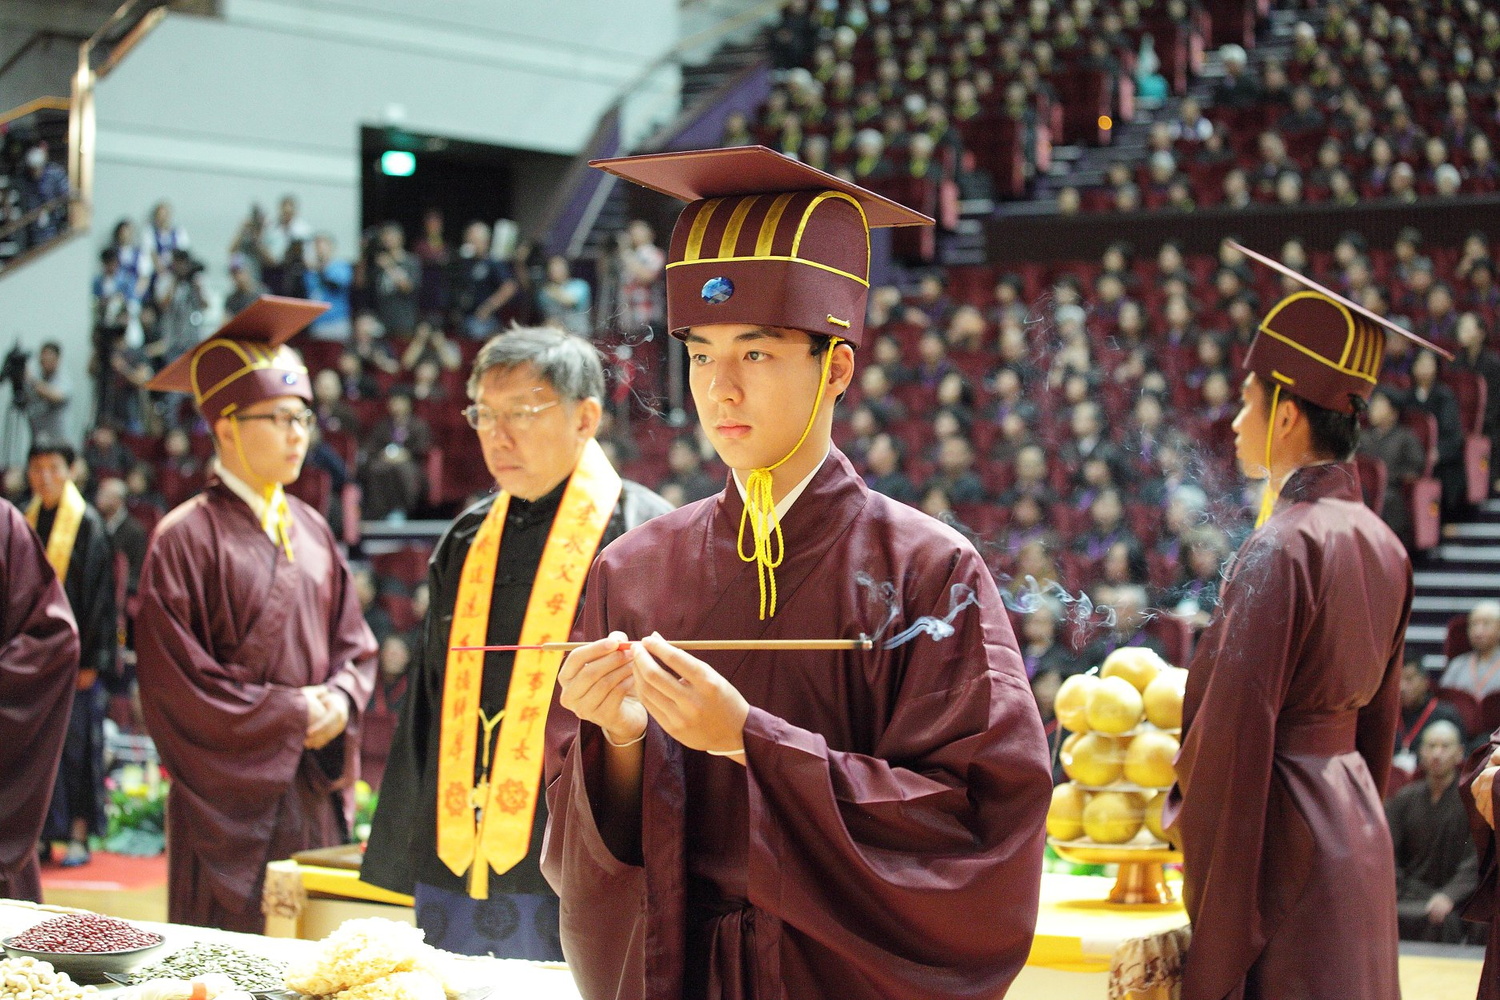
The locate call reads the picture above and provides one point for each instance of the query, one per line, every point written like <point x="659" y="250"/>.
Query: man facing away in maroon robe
<point x="1294" y="690"/>
<point x="1480" y="792"/>
<point x="255" y="662"/>
<point x="38" y="672"/>
<point x="861" y="824"/>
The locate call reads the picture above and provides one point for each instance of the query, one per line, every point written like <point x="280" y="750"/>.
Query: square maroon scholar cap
<point x="246" y="360"/>
<point x="765" y="240"/>
<point x="1320" y="345"/>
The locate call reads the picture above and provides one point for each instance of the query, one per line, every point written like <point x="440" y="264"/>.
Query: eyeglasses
<point x="482" y="418"/>
<point x="282" y="419"/>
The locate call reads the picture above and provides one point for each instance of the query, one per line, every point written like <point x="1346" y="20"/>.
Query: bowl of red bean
<point x="85" y="944"/>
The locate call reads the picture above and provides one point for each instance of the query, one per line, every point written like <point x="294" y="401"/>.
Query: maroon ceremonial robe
<point x="1484" y="905"/>
<point x="885" y="839"/>
<point x="229" y="630"/>
<point x="38" y="670"/>
<point x="1292" y="700"/>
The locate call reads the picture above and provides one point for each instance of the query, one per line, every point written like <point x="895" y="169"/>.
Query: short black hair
<point x="52" y="446"/>
<point x="1331" y="434"/>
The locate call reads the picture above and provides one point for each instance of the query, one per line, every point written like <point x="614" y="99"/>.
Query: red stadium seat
<point x="407" y="565"/>
<point x="1372" y="480"/>
<point x="1466" y="705"/>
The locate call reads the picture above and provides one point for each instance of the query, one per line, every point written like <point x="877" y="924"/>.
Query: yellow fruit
<point x="1148" y="760"/>
<point x="1065" y="815"/>
<point x="1095" y="760"/>
<point x="1113" y="817"/>
<point x="1163" y="699"/>
<point x="1069" y="743"/>
<point x="1072" y="702"/>
<point x="1115" y="706"/>
<point x="1137" y="664"/>
<point x="1153" y="816"/>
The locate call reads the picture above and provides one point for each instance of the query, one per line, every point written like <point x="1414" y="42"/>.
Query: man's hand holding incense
<point x="1483" y="789"/>
<point x="598" y="685"/>
<point x="690" y="700"/>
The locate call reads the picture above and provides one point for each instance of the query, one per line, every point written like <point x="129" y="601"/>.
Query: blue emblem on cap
<point x="289" y="378"/>
<point x="717" y="290"/>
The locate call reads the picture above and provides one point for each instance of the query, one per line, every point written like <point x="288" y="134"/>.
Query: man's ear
<point x="590" y="411"/>
<point x="840" y="368"/>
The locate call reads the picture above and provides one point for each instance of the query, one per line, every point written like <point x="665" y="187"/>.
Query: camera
<point x="13" y="370"/>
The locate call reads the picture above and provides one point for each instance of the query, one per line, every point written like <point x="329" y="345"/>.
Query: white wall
<point x="215" y="114"/>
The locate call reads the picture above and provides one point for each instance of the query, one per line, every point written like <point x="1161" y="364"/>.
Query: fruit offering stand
<point x="1125" y="722"/>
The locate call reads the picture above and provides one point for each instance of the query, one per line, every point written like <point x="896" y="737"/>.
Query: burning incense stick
<point x="864" y="643"/>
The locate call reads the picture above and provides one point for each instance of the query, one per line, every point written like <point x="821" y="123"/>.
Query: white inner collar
<point x="785" y="503"/>
<point x="241" y="489"/>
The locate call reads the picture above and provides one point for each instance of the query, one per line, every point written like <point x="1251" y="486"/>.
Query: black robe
<point x="78" y="791"/>
<point x="38" y="671"/>
<point x="403" y="836"/>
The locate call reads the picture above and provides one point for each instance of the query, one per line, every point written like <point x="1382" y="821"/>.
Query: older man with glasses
<point x="254" y="660"/>
<point x="459" y="825"/>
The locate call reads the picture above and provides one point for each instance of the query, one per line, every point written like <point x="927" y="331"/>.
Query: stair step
<point x="1476" y="530"/>
<point x="1470" y="553"/>
<point x="1456" y="580"/>
<point x="1427" y="634"/>
<point x="1450" y="605"/>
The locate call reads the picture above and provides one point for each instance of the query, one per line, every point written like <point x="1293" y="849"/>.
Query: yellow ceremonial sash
<point x="64" y="528"/>
<point x="505" y="798"/>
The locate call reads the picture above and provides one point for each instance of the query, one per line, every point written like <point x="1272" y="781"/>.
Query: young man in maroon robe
<point x="253" y="657"/>
<point x="1295" y="688"/>
<point x="806" y="824"/>
<point x="38" y="673"/>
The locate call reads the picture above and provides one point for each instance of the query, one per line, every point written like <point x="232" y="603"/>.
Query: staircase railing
<point x="97" y="57"/>
<point x="575" y="206"/>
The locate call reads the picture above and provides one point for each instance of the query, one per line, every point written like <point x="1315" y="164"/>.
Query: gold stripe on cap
<point x="736" y="221"/>
<point x="807" y="214"/>
<point x="694" y="247"/>
<point x="768" y="226"/>
<point x="1282" y="378"/>
<point x="1341" y="365"/>
<point x="794" y="260"/>
<point x="1315" y="355"/>
<point x="255" y="358"/>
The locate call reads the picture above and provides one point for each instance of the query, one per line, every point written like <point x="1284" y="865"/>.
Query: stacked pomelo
<point x="1124" y="722"/>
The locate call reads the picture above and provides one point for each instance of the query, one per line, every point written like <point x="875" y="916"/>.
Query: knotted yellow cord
<point x="1268" y="495"/>
<point x="760" y="507"/>
<point x="278" y="515"/>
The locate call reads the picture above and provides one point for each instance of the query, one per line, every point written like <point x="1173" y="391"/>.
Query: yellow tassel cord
<point x="1269" y="494"/>
<point x="760" y="507"/>
<point x="278" y="515"/>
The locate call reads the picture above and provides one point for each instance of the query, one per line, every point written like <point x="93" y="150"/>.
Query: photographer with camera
<point x="45" y="395"/>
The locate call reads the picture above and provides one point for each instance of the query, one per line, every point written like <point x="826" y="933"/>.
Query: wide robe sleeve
<point x="202" y="707"/>
<point x="1237" y="682"/>
<point x="351" y="662"/>
<point x="1482" y="904"/>
<point x="38" y="668"/>
<point x="918" y="864"/>
<point x="911" y="870"/>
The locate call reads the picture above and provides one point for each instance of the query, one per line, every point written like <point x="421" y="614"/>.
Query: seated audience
<point x="1478" y="670"/>
<point x="1436" y="867"/>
